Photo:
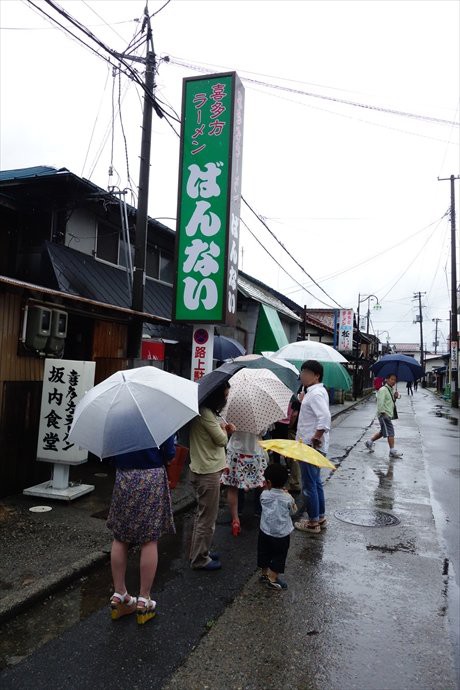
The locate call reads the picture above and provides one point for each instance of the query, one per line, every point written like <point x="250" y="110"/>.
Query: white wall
<point x="81" y="231"/>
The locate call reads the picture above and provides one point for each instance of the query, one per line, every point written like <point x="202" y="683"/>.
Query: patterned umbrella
<point x="257" y="399"/>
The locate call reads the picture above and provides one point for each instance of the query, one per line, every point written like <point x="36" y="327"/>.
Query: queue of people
<point x="220" y="455"/>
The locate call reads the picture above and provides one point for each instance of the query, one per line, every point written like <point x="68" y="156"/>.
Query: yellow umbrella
<point x="297" y="451"/>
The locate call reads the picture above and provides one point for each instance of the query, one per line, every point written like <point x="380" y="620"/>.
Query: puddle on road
<point x="50" y="618"/>
<point x="441" y="411"/>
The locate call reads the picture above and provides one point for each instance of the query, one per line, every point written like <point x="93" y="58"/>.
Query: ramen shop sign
<point x="209" y="199"/>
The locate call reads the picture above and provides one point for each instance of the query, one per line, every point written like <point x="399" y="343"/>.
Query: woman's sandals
<point x="145" y="610"/>
<point x="122" y="605"/>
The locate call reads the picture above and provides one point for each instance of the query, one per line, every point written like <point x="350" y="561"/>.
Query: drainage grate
<point x="366" y="517"/>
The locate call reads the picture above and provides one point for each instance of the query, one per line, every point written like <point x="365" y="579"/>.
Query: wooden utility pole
<point x="140" y="252"/>
<point x="453" y="288"/>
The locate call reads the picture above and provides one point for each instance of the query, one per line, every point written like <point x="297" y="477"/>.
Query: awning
<point x="270" y="333"/>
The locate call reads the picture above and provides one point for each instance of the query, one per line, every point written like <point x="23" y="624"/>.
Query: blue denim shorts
<point x="386" y="427"/>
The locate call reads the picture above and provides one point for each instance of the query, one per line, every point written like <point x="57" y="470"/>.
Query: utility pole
<point x="418" y="295"/>
<point x="135" y="329"/>
<point x="436" y="321"/>
<point x="453" y="288"/>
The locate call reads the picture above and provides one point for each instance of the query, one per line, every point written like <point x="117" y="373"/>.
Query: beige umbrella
<point x="257" y="399"/>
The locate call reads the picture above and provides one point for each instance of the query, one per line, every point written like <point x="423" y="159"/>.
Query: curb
<point x="12" y="605"/>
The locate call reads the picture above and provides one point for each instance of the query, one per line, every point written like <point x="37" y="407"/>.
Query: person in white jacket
<point x="313" y="429"/>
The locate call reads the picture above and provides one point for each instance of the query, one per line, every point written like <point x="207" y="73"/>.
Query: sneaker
<point x="395" y="454"/>
<point x="304" y="526"/>
<point x="370" y="446"/>
<point x="212" y="565"/>
<point x="277" y="584"/>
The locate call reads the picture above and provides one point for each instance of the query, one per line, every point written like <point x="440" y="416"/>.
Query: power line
<point x="102" y="18"/>
<point x="343" y="101"/>
<point x="288" y="252"/>
<point x="280" y="266"/>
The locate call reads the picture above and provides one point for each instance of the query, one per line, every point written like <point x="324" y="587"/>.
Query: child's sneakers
<point x="395" y="453"/>
<point x="370" y="446"/>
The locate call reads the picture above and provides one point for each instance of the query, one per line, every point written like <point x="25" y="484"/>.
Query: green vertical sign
<point x="209" y="199"/>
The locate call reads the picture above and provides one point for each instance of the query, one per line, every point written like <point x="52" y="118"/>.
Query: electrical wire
<point x="374" y="256"/>
<point x="260" y="218"/>
<point x="102" y="18"/>
<point x="310" y="94"/>
<point x="159" y="10"/>
<point x="279" y="265"/>
<point x="95" y="121"/>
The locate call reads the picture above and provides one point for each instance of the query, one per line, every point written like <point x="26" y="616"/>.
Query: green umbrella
<point x="335" y="375"/>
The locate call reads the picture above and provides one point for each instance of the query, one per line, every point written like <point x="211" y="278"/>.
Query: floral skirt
<point x="141" y="509"/>
<point x="244" y="471"/>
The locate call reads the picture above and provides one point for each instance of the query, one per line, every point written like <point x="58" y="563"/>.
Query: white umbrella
<point x="309" y="349"/>
<point x="132" y="410"/>
<point x="257" y="398"/>
<point x="285" y="363"/>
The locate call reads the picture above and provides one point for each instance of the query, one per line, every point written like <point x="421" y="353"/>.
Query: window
<point x="152" y="261"/>
<point x="166" y="268"/>
<point x="107" y="243"/>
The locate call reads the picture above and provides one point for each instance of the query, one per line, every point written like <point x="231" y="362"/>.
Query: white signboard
<point x="65" y="382"/>
<point x="345" y="330"/>
<point x="202" y="351"/>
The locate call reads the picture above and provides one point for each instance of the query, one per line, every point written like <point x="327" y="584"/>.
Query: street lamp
<point x="377" y="305"/>
<point x="379" y="333"/>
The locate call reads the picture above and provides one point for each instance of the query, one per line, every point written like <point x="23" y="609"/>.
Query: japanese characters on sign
<point x="64" y="383"/>
<point x="202" y="351"/>
<point x="454" y="355"/>
<point x="209" y="199"/>
<point x="345" y="342"/>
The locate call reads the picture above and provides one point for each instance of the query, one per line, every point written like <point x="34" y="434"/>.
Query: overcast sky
<point x="351" y="190"/>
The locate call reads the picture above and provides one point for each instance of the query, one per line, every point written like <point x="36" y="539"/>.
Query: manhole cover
<point x="366" y="517"/>
<point x="40" y="509"/>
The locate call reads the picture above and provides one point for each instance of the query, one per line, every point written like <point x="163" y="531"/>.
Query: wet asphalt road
<point x="95" y="652"/>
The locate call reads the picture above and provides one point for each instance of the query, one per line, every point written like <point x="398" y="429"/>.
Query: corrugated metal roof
<point x="23" y="173"/>
<point x="250" y="289"/>
<point x="21" y="284"/>
<point x="81" y="274"/>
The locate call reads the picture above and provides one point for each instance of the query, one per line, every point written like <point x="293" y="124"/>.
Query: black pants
<point x="272" y="552"/>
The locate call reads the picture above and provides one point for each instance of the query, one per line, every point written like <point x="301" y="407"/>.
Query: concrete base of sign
<point x="46" y="490"/>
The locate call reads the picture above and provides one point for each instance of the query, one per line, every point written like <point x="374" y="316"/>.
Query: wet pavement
<point x="366" y="608"/>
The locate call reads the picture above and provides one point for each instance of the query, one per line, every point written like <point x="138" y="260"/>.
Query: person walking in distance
<point x="313" y="427"/>
<point x="386" y="412"/>
<point x="409" y="388"/>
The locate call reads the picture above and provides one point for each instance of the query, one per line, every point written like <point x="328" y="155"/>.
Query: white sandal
<point x="146" y="609"/>
<point x="125" y="605"/>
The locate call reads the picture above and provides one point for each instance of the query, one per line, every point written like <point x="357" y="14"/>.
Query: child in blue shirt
<point x="275" y="526"/>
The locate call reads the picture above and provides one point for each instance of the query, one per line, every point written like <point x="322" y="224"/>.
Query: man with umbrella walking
<point x="386" y="412"/>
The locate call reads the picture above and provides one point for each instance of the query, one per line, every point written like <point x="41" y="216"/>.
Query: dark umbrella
<point x="404" y="367"/>
<point x="287" y="376"/>
<point x="216" y="378"/>
<point x="227" y="348"/>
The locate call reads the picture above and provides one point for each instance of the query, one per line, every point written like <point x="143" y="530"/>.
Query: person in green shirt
<point x="208" y="439"/>
<point x="386" y="412"/>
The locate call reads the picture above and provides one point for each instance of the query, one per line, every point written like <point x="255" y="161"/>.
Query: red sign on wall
<point x="153" y="350"/>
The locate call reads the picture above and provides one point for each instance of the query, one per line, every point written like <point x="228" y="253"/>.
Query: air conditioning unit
<point x="58" y="333"/>
<point x="38" y="327"/>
